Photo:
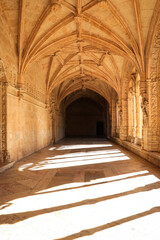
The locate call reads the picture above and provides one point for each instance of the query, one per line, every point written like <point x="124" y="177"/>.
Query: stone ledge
<point x="5" y="166"/>
<point x="153" y="157"/>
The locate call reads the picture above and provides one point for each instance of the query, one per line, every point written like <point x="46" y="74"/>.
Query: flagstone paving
<point x="80" y="189"/>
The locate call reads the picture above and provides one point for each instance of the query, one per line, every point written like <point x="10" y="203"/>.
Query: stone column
<point x="158" y="119"/>
<point x="152" y="128"/>
<point x="138" y="117"/>
<point x="113" y="119"/>
<point x="4" y="155"/>
<point x="51" y="106"/>
<point x="145" y="113"/>
<point x="124" y="119"/>
<point x="124" y="105"/>
<point x="133" y="114"/>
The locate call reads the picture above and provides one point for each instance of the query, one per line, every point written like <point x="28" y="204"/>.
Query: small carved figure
<point x="144" y="107"/>
<point x="120" y="116"/>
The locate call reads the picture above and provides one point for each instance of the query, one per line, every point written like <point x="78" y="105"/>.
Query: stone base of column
<point x="138" y="141"/>
<point x="5" y="157"/>
<point x="150" y="140"/>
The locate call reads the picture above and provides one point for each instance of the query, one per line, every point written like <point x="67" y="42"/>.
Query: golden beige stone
<point x="53" y="53"/>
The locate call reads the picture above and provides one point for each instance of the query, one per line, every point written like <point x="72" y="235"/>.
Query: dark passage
<point x="100" y="129"/>
<point x="85" y="118"/>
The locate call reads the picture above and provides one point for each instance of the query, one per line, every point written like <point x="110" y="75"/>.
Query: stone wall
<point x="28" y="125"/>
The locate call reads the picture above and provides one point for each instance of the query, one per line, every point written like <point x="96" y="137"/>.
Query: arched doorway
<point x="86" y="118"/>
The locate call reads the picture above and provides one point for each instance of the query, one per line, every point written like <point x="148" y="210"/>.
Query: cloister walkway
<point x="80" y="189"/>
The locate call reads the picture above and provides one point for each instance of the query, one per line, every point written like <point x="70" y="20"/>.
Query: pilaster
<point x="4" y="155"/>
<point x="153" y="142"/>
<point x="124" y="120"/>
<point x="113" y="119"/>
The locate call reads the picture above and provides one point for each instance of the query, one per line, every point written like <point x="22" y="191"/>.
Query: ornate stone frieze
<point x="10" y="74"/>
<point x="155" y="53"/>
<point x="34" y="92"/>
<point x="153" y="103"/>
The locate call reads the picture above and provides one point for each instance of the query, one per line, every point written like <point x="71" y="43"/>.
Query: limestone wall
<point x="60" y="127"/>
<point x="28" y="126"/>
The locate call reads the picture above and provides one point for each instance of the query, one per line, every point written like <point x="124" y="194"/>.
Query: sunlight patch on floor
<point x="52" y="148"/>
<point x="76" y="159"/>
<point x="57" y="215"/>
<point x="80" y="146"/>
<point x="61" y="198"/>
<point x="88" y="153"/>
<point x="51" y="165"/>
<point x="110" y="196"/>
<point x="95" y="181"/>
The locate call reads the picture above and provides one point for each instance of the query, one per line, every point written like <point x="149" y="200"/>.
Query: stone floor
<point x="80" y="189"/>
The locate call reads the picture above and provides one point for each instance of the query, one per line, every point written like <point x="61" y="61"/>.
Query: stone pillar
<point x="53" y="130"/>
<point x="138" y="116"/>
<point x="138" y="108"/>
<point x="152" y="133"/>
<point x="158" y="118"/>
<point x="50" y="104"/>
<point x="144" y="107"/>
<point x="133" y="114"/>
<point x="113" y="119"/>
<point x="124" y="119"/>
<point x="4" y="155"/>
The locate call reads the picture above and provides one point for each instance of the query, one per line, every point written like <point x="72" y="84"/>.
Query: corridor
<point x="80" y="189"/>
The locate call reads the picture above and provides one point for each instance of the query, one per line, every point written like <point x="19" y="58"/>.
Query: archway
<point x="86" y="117"/>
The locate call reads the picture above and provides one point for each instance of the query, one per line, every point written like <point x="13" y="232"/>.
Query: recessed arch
<point x="106" y="95"/>
<point x="92" y="116"/>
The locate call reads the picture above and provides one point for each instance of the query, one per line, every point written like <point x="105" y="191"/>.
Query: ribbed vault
<point x="54" y="51"/>
<point x="83" y="40"/>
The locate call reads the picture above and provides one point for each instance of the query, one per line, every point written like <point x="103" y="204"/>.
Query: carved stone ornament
<point x="155" y="53"/>
<point x="56" y="5"/>
<point x="144" y="106"/>
<point x="78" y="18"/>
<point x="102" y="3"/>
<point x="120" y="116"/>
<point x="20" y="94"/>
<point x="5" y="157"/>
<point x="131" y="90"/>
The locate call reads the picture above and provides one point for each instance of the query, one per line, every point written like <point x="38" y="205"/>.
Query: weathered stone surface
<point x="55" y="52"/>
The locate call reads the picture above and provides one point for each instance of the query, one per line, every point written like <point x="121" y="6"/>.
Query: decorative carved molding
<point x="33" y="91"/>
<point x="144" y="106"/>
<point x="153" y="103"/>
<point x="56" y="5"/>
<point x="120" y="115"/>
<point x="5" y="157"/>
<point x="155" y="53"/>
<point x="153" y="90"/>
<point x="102" y="3"/>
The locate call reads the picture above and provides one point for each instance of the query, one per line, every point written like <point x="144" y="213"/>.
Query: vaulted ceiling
<point x="78" y="44"/>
